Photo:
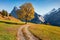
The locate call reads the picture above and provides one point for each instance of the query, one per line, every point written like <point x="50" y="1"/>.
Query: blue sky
<point x="41" y="6"/>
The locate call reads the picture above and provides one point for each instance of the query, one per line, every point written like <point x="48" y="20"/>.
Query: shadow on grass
<point x="16" y="23"/>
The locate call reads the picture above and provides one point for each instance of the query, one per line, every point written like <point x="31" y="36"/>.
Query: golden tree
<point x="26" y="12"/>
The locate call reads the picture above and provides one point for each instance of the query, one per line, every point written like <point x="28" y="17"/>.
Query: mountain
<point x="37" y="18"/>
<point x="13" y="12"/>
<point x="53" y="17"/>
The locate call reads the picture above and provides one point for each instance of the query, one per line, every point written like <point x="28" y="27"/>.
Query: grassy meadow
<point x="45" y="32"/>
<point x="9" y="31"/>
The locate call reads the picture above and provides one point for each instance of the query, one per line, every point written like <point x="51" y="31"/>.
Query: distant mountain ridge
<point x="34" y="20"/>
<point x="53" y="17"/>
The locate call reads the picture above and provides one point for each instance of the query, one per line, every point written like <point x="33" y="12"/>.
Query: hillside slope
<point x="10" y="18"/>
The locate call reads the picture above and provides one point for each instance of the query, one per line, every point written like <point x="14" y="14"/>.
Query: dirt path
<point x="20" y="35"/>
<point x="25" y="34"/>
<point x="28" y="34"/>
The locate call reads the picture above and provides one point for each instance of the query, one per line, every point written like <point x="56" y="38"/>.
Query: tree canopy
<point x="26" y="12"/>
<point x="4" y="13"/>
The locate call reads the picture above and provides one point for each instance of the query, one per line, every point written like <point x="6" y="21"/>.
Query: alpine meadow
<point x="29" y="19"/>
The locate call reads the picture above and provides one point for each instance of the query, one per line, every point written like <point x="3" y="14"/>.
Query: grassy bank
<point x="12" y="22"/>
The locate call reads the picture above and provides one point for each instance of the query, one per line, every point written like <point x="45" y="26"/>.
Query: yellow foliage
<point x="26" y="12"/>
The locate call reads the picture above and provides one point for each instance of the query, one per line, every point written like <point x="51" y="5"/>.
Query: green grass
<point x="8" y="31"/>
<point x="46" y="32"/>
<point x="12" y="22"/>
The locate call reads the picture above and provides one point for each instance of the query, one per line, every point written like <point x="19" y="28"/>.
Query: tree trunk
<point x="26" y="21"/>
<point x="26" y="18"/>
